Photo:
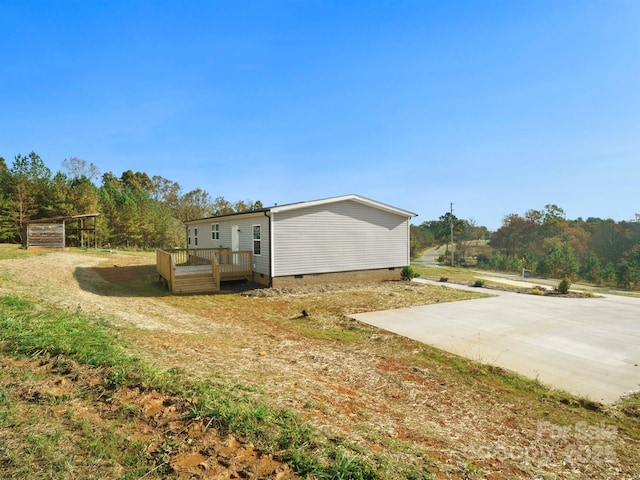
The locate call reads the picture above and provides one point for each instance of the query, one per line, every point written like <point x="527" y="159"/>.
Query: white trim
<point x="352" y="197"/>
<point x="311" y="203"/>
<point x="272" y="225"/>
<point x="408" y="243"/>
<point x="253" y="239"/>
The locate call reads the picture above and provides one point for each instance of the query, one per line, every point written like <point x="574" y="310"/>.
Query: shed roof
<point x="313" y="203"/>
<point x="61" y="219"/>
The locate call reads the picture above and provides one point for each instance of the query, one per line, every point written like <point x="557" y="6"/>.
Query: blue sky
<point x="496" y="106"/>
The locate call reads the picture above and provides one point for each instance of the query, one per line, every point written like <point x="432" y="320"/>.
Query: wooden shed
<point x="53" y="232"/>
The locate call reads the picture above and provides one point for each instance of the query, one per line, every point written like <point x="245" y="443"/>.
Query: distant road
<point x="429" y="257"/>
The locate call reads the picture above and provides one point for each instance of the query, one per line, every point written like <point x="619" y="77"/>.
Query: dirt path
<point x="381" y="401"/>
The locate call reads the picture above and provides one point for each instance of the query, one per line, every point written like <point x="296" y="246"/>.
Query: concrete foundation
<point x="358" y="276"/>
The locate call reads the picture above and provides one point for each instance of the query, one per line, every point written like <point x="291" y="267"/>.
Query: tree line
<point x="135" y="210"/>
<point x="438" y="232"/>
<point x="546" y="243"/>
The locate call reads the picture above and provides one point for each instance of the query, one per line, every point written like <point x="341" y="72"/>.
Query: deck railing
<point x="234" y="264"/>
<point x="194" y="256"/>
<point x="165" y="266"/>
<point x="225" y="264"/>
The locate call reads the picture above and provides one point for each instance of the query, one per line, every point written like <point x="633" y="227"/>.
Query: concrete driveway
<point x="589" y="347"/>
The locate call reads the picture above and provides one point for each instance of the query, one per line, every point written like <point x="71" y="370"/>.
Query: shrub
<point x="408" y="273"/>
<point x="482" y="260"/>
<point x="478" y="283"/>
<point x="538" y="290"/>
<point x="563" y="286"/>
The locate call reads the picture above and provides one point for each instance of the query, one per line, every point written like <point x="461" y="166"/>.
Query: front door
<point x="235" y="243"/>
<point x="235" y="238"/>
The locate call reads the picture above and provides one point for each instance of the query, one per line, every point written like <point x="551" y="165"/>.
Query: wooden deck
<point x="200" y="270"/>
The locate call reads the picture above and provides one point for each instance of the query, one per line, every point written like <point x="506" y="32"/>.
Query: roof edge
<point x="342" y="198"/>
<point x="310" y="203"/>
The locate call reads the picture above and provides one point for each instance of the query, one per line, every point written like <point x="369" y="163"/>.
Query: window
<point x="256" y="240"/>
<point x="215" y="231"/>
<point x="188" y="236"/>
<point x="195" y="237"/>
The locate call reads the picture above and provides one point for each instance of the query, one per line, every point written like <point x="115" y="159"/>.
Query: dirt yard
<point x="386" y="395"/>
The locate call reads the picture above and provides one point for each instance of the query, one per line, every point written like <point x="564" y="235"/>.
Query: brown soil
<point x="382" y="394"/>
<point x="195" y="451"/>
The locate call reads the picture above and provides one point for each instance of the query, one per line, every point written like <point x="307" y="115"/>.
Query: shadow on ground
<point x="138" y="281"/>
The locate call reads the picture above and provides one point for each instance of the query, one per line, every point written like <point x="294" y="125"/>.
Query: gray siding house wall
<point x="243" y="226"/>
<point x="347" y="238"/>
<point x="338" y="237"/>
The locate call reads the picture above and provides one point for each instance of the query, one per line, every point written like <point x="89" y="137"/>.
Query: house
<point x="348" y="238"/>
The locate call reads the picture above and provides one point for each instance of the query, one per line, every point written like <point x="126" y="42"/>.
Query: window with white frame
<point x="195" y="237"/>
<point x="188" y="236"/>
<point x="215" y="231"/>
<point x="256" y="240"/>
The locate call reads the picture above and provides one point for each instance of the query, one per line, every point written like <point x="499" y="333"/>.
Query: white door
<point x="235" y="243"/>
<point x="235" y="238"/>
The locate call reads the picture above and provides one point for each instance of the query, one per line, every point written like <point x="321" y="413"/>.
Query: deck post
<point x="187" y="270"/>
<point x="215" y="271"/>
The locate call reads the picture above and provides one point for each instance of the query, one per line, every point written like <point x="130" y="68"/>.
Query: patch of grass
<point x="38" y="443"/>
<point x="630" y="405"/>
<point x="12" y="250"/>
<point x="507" y="380"/>
<point x="271" y="429"/>
<point x="335" y="334"/>
<point x="538" y="290"/>
<point x="455" y="273"/>
<point x="29" y="331"/>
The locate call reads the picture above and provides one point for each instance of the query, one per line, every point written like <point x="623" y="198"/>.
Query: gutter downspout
<point x="268" y="215"/>
<point x="409" y="239"/>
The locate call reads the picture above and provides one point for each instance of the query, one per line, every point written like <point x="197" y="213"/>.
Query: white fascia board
<point x="226" y="217"/>
<point x="352" y="197"/>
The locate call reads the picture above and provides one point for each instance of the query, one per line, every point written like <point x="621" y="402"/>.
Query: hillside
<point x="235" y="373"/>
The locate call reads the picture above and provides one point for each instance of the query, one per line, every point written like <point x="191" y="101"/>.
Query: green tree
<point x="499" y="261"/>
<point x="8" y="219"/>
<point x="197" y="204"/>
<point x="28" y="188"/>
<point x="442" y="229"/>
<point x="516" y="236"/>
<point x="623" y="274"/>
<point x="593" y="268"/>
<point x="559" y="262"/>
<point x="420" y="238"/>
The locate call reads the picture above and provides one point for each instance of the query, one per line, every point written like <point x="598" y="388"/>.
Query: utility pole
<point x="451" y="222"/>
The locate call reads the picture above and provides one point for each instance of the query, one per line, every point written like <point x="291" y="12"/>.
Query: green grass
<point x="456" y="273"/>
<point x="630" y="405"/>
<point x="11" y="250"/>
<point x="38" y="443"/>
<point x="34" y="329"/>
<point x="27" y="330"/>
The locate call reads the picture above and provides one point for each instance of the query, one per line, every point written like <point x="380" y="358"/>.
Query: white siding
<point x="338" y="237"/>
<point x="245" y="224"/>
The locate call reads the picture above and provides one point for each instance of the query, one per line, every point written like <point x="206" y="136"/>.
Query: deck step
<point x="195" y="283"/>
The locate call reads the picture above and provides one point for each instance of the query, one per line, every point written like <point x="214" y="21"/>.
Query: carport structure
<point x="52" y="232"/>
